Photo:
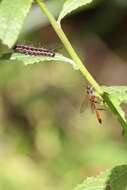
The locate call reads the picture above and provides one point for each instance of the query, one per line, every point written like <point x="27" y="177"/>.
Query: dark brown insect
<point x="30" y="50"/>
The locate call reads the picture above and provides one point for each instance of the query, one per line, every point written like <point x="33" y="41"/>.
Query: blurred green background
<point x="45" y="143"/>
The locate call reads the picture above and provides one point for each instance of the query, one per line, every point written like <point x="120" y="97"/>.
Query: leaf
<point x="71" y="5"/>
<point x="117" y="92"/>
<point x="118" y="95"/>
<point x="114" y="179"/>
<point x="29" y="59"/>
<point x="12" y="14"/>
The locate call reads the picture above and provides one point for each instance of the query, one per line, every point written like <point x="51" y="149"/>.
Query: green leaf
<point x="118" y="95"/>
<point x="30" y="59"/>
<point x="12" y="14"/>
<point x="71" y="5"/>
<point x="117" y="92"/>
<point x="114" y="179"/>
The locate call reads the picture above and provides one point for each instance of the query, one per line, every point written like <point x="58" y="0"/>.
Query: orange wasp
<point x="93" y="101"/>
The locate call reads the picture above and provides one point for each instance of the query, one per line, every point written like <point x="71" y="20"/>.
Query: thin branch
<point x="80" y="65"/>
<point x="69" y="48"/>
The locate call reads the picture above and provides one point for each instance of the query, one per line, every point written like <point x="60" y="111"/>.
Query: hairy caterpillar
<point x="30" y="50"/>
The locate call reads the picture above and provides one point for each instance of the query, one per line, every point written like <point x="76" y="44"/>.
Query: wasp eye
<point x="88" y="88"/>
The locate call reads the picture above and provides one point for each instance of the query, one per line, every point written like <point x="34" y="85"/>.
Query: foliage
<point x="27" y="59"/>
<point x="11" y="20"/>
<point x="71" y="5"/>
<point x="46" y="143"/>
<point x="114" y="179"/>
<point x="118" y="94"/>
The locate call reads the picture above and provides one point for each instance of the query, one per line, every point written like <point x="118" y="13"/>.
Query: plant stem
<point x="80" y="65"/>
<point x="69" y="48"/>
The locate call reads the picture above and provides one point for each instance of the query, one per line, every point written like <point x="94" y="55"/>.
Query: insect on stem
<point x="93" y="101"/>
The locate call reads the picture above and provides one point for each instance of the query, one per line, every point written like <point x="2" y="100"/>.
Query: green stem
<point x="69" y="48"/>
<point x="79" y="63"/>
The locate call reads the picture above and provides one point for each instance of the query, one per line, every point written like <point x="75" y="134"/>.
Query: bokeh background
<point x="45" y="143"/>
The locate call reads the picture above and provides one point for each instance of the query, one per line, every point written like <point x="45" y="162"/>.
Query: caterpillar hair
<point x="30" y="50"/>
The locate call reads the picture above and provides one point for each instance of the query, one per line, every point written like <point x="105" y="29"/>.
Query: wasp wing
<point x="84" y="104"/>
